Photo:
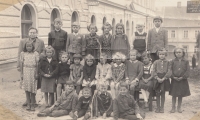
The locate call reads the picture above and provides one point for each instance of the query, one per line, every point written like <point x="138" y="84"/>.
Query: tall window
<point x="93" y="20"/>
<point x="196" y="32"/>
<point x="185" y="33"/>
<point x="104" y="20"/>
<point x="26" y="21"/>
<point x="173" y="34"/>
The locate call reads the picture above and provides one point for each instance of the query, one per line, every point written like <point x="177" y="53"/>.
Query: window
<point x="104" y="20"/>
<point x="26" y="21"/>
<point x="196" y="33"/>
<point x="173" y="34"/>
<point x="185" y="33"/>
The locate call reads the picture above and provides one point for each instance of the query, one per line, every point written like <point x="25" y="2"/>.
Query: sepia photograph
<point x="100" y="60"/>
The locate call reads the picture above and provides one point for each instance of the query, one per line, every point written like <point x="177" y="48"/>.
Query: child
<point x="48" y="71"/>
<point x="76" y="72"/>
<point x="57" y="38"/>
<point x="102" y="103"/>
<point x="75" y="42"/>
<point x="120" y="42"/>
<point x="63" y="73"/>
<point x="89" y="72"/>
<point x="92" y="42"/>
<point x="83" y="108"/>
<point x="29" y="73"/>
<point x="103" y="71"/>
<point x="162" y="73"/>
<point x="179" y="84"/>
<point x="139" y="40"/>
<point x="64" y="105"/>
<point x="146" y="83"/>
<point x="118" y="72"/>
<point x="105" y="40"/>
<point x="157" y="38"/>
<point x="125" y="106"/>
<point x="134" y="70"/>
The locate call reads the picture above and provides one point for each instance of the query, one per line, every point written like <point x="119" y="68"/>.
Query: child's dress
<point x="63" y="73"/>
<point x="118" y="72"/>
<point x="48" y="83"/>
<point x="180" y="69"/>
<point x="147" y="71"/>
<point x="76" y="72"/>
<point x="120" y="43"/>
<point x="29" y="61"/>
<point x="106" y="45"/>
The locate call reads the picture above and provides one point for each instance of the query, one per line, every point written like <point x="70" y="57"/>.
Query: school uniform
<point x="157" y="39"/>
<point x="126" y="107"/>
<point x="75" y="44"/>
<point x="57" y="39"/>
<point x="180" y="69"/>
<point x="48" y="67"/>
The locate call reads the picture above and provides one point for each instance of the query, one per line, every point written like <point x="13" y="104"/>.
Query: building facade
<point x="18" y="15"/>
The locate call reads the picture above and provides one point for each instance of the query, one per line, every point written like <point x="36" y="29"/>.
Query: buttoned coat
<point x="157" y="40"/>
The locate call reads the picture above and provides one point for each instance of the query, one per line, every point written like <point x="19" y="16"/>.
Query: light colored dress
<point x="29" y="61"/>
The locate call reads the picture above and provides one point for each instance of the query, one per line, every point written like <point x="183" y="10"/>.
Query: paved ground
<point x="12" y="97"/>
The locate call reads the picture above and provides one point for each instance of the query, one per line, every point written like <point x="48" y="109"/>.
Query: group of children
<point x="109" y="63"/>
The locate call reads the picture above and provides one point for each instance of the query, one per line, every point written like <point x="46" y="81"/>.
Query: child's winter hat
<point x="157" y="18"/>
<point x="77" y="56"/>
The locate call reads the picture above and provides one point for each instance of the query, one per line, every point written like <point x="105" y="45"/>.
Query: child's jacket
<point x="67" y="101"/>
<point x="83" y="103"/>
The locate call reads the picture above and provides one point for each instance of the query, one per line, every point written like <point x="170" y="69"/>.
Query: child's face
<point x="140" y="28"/>
<point x="133" y="56"/>
<point x="64" y="58"/>
<point x="92" y="29"/>
<point x="49" y="53"/>
<point x="146" y="60"/>
<point x="106" y="29"/>
<point x="58" y="25"/>
<point x="77" y="60"/>
<point x="29" y="47"/>
<point x="103" y="60"/>
<point x="89" y="62"/>
<point x="86" y="94"/>
<point x="119" y="30"/>
<point x="69" y="88"/>
<point x="179" y="53"/>
<point x="103" y="88"/>
<point x="157" y="23"/>
<point x="75" y="28"/>
<point x="32" y="33"/>
<point x="162" y="55"/>
<point x="123" y="90"/>
<point x="118" y="61"/>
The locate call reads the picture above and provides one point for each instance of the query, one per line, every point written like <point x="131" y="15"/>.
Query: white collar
<point x="118" y="65"/>
<point x="75" y="33"/>
<point x="133" y="61"/>
<point x="140" y="33"/>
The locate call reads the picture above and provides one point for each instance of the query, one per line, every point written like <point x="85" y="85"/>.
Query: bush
<point x="195" y="73"/>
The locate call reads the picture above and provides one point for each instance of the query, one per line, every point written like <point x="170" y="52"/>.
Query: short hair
<point x="77" y="56"/>
<point x="158" y="18"/>
<point x="119" y="24"/>
<point x="75" y="24"/>
<point x="57" y="20"/>
<point x="104" y="55"/>
<point x="162" y="50"/>
<point x="28" y="43"/>
<point x="106" y="24"/>
<point x="123" y="84"/>
<point x="180" y="49"/>
<point x="63" y="53"/>
<point x="49" y="48"/>
<point x="33" y="28"/>
<point x="69" y="82"/>
<point x="133" y="51"/>
<point x="89" y="57"/>
<point x="86" y="89"/>
<point x="145" y="54"/>
<point x="100" y="84"/>
<point x="88" y="27"/>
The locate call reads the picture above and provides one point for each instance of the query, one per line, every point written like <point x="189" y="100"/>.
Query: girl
<point x="134" y="70"/>
<point x="105" y="40"/>
<point x="162" y="73"/>
<point x="89" y="72"/>
<point x="179" y="85"/>
<point x="63" y="73"/>
<point x="146" y="84"/>
<point x="29" y="73"/>
<point x="120" y="42"/>
<point x="92" y="42"/>
<point x="48" y="71"/>
<point x="76" y="72"/>
<point x="118" y="72"/>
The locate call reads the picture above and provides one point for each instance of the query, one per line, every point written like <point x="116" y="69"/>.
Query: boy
<point x="125" y="106"/>
<point x="102" y="103"/>
<point x="57" y="38"/>
<point x="157" y="38"/>
<point x="83" y="108"/>
<point x="64" y="105"/>
<point x="162" y="73"/>
<point x="75" y="42"/>
<point x="139" y="40"/>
